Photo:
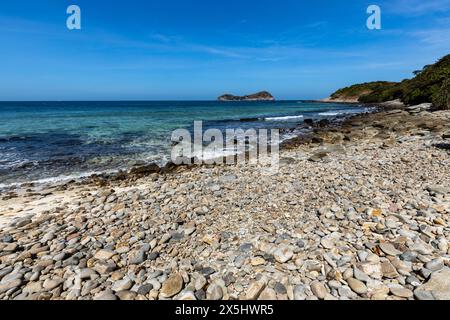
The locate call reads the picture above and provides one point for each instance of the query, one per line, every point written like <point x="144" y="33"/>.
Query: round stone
<point x="283" y="254"/>
<point x="435" y="265"/>
<point x="105" y="296"/>
<point x="122" y="285"/>
<point x="280" y="288"/>
<point x="401" y="292"/>
<point x="104" y="255"/>
<point x="319" y="290"/>
<point x="214" y="292"/>
<point x="389" y="249"/>
<point x="299" y="292"/>
<point x="268" y="294"/>
<point x="258" y="261"/>
<point x="357" y="286"/>
<point x="172" y="286"/>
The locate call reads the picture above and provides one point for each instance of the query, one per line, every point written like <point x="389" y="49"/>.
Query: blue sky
<point x="199" y="49"/>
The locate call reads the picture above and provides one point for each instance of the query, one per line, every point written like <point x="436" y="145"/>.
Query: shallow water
<point x="55" y="140"/>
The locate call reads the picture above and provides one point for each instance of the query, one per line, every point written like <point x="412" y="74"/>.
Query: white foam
<point x="283" y="118"/>
<point x="337" y="113"/>
<point x="56" y="180"/>
<point x="330" y="113"/>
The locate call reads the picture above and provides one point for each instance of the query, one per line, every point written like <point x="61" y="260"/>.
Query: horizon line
<point x="159" y="100"/>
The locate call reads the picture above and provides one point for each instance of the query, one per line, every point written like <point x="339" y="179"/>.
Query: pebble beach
<point x="360" y="210"/>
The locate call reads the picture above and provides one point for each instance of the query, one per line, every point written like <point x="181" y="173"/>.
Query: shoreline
<point x="361" y="212"/>
<point x="114" y="174"/>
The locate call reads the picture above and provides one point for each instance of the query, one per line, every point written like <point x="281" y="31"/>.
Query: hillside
<point x="431" y="84"/>
<point x="355" y="92"/>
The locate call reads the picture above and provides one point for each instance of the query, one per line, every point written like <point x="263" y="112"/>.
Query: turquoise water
<point x="54" y="140"/>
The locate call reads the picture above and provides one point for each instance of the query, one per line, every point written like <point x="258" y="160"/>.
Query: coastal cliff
<point x="260" y="96"/>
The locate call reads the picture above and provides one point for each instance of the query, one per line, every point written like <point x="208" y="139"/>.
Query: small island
<point x="260" y="96"/>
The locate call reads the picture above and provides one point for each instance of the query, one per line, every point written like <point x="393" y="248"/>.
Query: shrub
<point x="441" y="99"/>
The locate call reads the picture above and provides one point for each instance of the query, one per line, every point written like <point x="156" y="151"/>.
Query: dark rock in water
<point x="260" y="96"/>
<point x="249" y="119"/>
<point x="295" y="142"/>
<point x="318" y="156"/>
<point x="323" y="123"/>
<point x="145" y="170"/>
<point x="120" y="176"/>
<point x="316" y="139"/>
<point x="309" y="122"/>
<point x="169" y="167"/>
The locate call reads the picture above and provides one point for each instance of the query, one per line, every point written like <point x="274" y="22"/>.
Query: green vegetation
<point x="363" y="89"/>
<point x="441" y="100"/>
<point x="429" y="85"/>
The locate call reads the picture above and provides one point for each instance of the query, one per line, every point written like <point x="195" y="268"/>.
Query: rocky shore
<point x="357" y="211"/>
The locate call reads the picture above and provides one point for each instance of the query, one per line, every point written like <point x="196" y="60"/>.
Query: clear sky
<point x="199" y="49"/>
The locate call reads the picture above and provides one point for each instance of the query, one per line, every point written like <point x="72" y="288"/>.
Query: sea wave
<point x="334" y="113"/>
<point x="57" y="180"/>
<point x="286" y="118"/>
<point x="330" y="113"/>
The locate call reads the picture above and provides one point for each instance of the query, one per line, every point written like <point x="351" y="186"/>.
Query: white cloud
<point x="417" y="7"/>
<point x="434" y="37"/>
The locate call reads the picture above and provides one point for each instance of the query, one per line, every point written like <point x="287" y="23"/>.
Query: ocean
<point x="46" y="141"/>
